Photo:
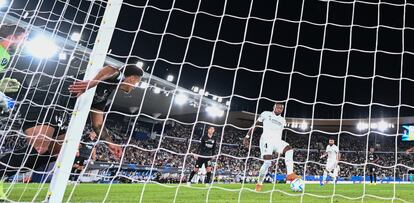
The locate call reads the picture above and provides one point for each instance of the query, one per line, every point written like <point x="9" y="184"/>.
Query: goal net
<point x="341" y="68"/>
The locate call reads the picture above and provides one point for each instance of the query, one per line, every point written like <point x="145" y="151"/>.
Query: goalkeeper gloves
<point x="6" y="103"/>
<point x="9" y="85"/>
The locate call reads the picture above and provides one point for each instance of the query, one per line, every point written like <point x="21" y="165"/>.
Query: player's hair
<point x="132" y="70"/>
<point x="7" y="30"/>
<point x="279" y="103"/>
<point x="331" y="138"/>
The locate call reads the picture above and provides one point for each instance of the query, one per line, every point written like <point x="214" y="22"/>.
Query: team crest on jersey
<point x="4" y="61"/>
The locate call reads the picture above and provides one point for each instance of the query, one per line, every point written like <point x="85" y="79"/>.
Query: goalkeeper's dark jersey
<point x="207" y="146"/>
<point x="371" y="157"/>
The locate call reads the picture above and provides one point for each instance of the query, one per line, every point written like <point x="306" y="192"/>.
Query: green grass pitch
<point x="199" y="193"/>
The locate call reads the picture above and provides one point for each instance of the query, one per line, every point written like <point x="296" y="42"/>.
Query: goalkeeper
<point x="10" y="38"/>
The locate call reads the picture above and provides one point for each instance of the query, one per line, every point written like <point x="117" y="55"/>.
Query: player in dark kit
<point x="86" y="149"/>
<point x="372" y="158"/>
<point x="207" y="149"/>
<point x="45" y="121"/>
<point x="106" y="81"/>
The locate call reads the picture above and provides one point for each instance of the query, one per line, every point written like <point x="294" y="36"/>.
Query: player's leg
<point x="288" y="152"/>
<point x="375" y="176"/>
<point x="195" y="169"/>
<point x="208" y="171"/>
<point x="266" y="151"/>
<point x="35" y="154"/>
<point x="335" y="174"/>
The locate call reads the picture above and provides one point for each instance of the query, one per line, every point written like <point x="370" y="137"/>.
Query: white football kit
<point x="332" y="162"/>
<point x="271" y="139"/>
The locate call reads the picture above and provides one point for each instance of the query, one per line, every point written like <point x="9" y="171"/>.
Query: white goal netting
<point x="342" y="68"/>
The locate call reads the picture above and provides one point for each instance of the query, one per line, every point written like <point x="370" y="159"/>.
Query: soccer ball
<point x="297" y="185"/>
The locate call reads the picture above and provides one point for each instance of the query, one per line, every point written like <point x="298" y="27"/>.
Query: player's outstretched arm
<point x="246" y="140"/>
<point x="79" y="87"/>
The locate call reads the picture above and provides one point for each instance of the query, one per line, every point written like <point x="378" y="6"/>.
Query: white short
<point x="330" y="165"/>
<point x="333" y="168"/>
<point x="268" y="146"/>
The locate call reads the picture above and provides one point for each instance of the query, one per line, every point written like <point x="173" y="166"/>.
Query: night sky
<point x="324" y="59"/>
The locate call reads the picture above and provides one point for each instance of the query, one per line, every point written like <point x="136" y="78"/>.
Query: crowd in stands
<point x="174" y="145"/>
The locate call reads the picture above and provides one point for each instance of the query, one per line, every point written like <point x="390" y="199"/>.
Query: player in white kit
<point x="271" y="141"/>
<point x="331" y="168"/>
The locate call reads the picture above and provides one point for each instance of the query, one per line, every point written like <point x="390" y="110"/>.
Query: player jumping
<point x="331" y="168"/>
<point x="207" y="149"/>
<point x="45" y="124"/>
<point x="271" y="141"/>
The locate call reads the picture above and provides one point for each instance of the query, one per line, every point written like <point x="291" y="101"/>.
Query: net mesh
<point x="336" y="65"/>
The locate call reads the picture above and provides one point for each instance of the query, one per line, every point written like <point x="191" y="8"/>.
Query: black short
<point x="80" y="160"/>
<point x="54" y="116"/>
<point x="99" y="105"/>
<point x="200" y="161"/>
<point x="371" y="168"/>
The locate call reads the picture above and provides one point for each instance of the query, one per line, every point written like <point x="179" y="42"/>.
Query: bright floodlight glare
<point x="41" y="47"/>
<point x="63" y="56"/>
<point x="213" y="111"/>
<point x="3" y="3"/>
<point x="181" y="99"/>
<point x="76" y="36"/>
<point x="304" y="125"/>
<point x="382" y="126"/>
<point x="362" y="126"/>
<point x="140" y="64"/>
<point x="374" y="125"/>
<point x="206" y="94"/>
<point x="143" y="85"/>
<point x="196" y="89"/>
<point x="215" y="97"/>
<point x="228" y="103"/>
<point x="157" y="90"/>
<point x="170" y="78"/>
<point x="220" y="99"/>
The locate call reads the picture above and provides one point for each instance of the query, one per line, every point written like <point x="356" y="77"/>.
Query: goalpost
<point x="294" y="45"/>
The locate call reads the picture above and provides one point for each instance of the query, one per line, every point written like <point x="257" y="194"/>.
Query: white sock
<point x="289" y="161"/>
<point x="263" y="171"/>
<point x="325" y="174"/>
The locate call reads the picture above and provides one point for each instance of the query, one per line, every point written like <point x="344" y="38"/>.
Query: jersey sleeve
<point x="262" y="116"/>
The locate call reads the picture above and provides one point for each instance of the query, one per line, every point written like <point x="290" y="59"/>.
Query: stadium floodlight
<point x="382" y="126"/>
<point x="215" y="97"/>
<point x="228" y="103"/>
<point x="201" y="92"/>
<point x="196" y="89"/>
<point x="143" y="85"/>
<point x="374" y="125"/>
<point x="170" y="78"/>
<point x="206" y="94"/>
<point x="3" y="3"/>
<point x="157" y="90"/>
<point x="304" y="125"/>
<point x="214" y="111"/>
<point x="181" y="99"/>
<point x="362" y="126"/>
<point x="220" y="99"/>
<point x="63" y="56"/>
<point x="76" y="36"/>
<point x="140" y="64"/>
<point x="41" y="47"/>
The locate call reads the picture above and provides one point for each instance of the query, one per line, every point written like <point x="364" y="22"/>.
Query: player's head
<point x="278" y="108"/>
<point x="331" y="141"/>
<point x="132" y="76"/>
<point x="12" y="35"/>
<point x="211" y="130"/>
